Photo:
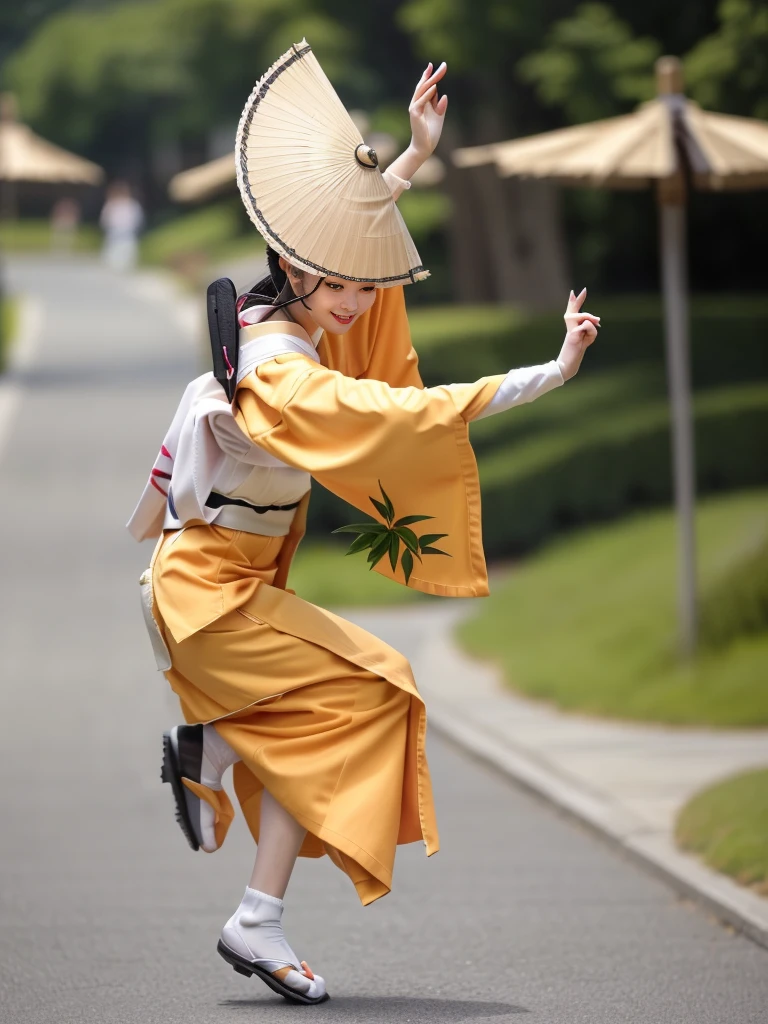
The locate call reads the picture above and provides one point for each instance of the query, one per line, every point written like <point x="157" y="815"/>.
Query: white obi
<point x="205" y="456"/>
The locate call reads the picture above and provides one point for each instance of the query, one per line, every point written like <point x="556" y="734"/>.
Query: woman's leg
<point x="255" y="931"/>
<point x="280" y="839"/>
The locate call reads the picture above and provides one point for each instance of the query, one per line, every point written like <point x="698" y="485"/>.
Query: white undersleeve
<point x="523" y="385"/>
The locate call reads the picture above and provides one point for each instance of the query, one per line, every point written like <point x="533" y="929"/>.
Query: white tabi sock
<point x="255" y="932"/>
<point x="217" y="757"/>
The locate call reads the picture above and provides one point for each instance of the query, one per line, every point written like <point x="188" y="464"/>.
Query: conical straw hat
<point x="311" y="185"/>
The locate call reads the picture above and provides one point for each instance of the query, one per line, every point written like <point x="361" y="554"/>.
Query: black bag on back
<point x="223" y="329"/>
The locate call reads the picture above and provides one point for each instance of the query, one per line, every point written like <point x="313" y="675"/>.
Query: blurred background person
<point x="65" y="221"/>
<point x="122" y="218"/>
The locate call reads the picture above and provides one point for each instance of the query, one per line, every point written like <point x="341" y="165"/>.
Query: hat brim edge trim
<point x="260" y="90"/>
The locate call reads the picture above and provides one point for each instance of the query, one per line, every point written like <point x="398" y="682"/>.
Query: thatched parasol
<point x="208" y="180"/>
<point x="25" y="157"/>
<point x="668" y="142"/>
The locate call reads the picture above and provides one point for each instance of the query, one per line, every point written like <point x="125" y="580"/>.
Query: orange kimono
<point x="324" y="715"/>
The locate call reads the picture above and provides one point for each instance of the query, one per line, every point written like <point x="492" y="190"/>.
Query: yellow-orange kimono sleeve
<point x="350" y="434"/>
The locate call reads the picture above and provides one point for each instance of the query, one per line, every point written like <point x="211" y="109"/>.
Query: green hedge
<point x="616" y="462"/>
<point x="738" y="604"/>
<point x="462" y="343"/>
<point x="590" y="622"/>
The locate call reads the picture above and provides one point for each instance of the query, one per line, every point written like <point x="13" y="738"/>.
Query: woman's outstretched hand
<point x="427" y="112"/>
<point x="582" y="331"/>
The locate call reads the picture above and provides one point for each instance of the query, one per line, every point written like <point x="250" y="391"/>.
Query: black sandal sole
<point x="247" y="968"/>
<point x="171" y="772"/>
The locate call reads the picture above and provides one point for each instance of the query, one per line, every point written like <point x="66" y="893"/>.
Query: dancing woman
<point x="322" y="721"/>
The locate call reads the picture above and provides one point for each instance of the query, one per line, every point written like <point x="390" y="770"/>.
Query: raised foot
<point x="275" y="980"/>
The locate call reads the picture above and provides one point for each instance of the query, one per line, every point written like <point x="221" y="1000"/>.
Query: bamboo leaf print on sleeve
<point x="389" y="506"/>
<point x="394" y="550"/>
<point x="408" y="520"/>
<point x="361" y="543"/>
<point x="407" y="564"/>
<point x="389" y="539"/>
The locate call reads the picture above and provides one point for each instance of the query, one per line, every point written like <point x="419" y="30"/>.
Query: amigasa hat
<point x="312" y="186"/>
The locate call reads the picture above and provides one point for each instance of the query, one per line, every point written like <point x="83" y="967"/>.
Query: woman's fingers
<point x="575" y="302"/>
<point x="427" y="95"/>
<point x="429" y="79"/>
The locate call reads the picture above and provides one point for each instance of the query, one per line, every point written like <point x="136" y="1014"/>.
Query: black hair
<point x="273" y="290"/>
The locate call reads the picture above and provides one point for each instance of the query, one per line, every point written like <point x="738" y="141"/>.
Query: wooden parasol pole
<point x="671" y="195"/>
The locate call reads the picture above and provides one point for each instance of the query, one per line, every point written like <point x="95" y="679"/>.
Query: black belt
<point x="216" y="500"/>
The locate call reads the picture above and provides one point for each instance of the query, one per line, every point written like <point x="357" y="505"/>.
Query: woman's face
<point x="336" y="304"/>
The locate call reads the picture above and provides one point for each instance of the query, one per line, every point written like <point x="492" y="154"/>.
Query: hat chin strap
<point x="287" y="290"/>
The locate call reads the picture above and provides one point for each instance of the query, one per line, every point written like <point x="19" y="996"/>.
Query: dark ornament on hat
<point x="366" y="156"/>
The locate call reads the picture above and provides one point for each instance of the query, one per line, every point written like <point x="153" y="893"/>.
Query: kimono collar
<point x="255" y="314"/>
<point x="261" y="342"/>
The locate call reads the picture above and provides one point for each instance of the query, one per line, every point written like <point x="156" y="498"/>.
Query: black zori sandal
<point x="252" y="941"/>
<point x="250" y="967"/>
<point x="182" y="758"/>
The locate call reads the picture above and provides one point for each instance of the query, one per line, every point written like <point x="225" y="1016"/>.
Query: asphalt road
<point x="107" y="916"/>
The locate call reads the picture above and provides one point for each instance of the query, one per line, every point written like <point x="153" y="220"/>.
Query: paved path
<point x="107" y="917"/>
<point x="627" y="780"/>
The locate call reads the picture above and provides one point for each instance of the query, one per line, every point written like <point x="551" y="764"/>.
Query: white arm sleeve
<point x="523" y="385"/>
<point x="396" y="184"/>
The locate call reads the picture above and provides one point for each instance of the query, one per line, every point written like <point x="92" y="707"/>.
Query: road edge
<point x="730" y="903"/>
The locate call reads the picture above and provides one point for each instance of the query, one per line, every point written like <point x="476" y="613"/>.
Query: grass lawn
<point x="33" y="235"/>
<point x="322" y="574"/>
<point x="8" y="324"/>
<point x="727" y="825"/>
<point x="211" y="233"/>
<point x="590" y="622"/>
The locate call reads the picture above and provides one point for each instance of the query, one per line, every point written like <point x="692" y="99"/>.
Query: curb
<point x="729" y="902"/>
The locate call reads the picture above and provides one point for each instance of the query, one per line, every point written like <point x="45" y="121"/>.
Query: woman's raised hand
<point x="427" y="112"/>
<point x="581" y="332"/>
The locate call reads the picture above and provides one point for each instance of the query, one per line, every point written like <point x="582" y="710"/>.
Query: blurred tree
<point x="592" y="66"/>
<point x="119" y="81"/>
<point x="18" y="21"/>
<point x="728" y="70"/>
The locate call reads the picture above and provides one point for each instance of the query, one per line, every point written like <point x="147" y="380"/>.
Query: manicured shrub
<point x="737" y="604"/>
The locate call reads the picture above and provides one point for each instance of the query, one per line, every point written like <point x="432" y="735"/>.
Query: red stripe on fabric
<point x="157" y="485"/>
<point x="164" y="451"/>
<point x="159" y="472"/>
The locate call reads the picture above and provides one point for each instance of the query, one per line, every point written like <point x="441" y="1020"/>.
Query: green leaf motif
<point x="407" y="564"/>
<point x="410" y="539"/>
<point x="408" y="520"/>
<point x="385" y="540"/>
<point x="429" y="538"/>
<point x="379" y="549"/>
<point x="394" y="550"/>
<point x="361" y="543"/>
<point x="390" y="515"/>
<point x="371" y="527"/>
<point x="380" y="508"/>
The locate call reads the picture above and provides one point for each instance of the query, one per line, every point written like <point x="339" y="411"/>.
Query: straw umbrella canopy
<point x="669" y="143"/>
<point x="210" y="179"/>
<point x="27" y="158"/>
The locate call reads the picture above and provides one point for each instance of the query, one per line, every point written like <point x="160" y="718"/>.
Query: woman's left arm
<point x="530" y="382"/>
<point x="427" y="114"/>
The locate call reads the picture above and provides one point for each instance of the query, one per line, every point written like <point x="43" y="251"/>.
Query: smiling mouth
<point x="343" y="319"/>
